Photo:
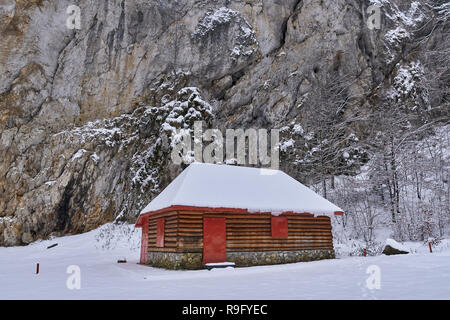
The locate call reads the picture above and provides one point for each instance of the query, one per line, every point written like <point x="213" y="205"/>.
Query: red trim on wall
<point x="160" y="224"/>
<point x="144" y="242"/>
<point x="216" y="210"/>
<point x="214" y="240"/>
<point x="279" y="226"/>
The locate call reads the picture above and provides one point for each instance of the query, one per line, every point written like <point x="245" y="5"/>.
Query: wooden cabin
<point x="219" y="213"/>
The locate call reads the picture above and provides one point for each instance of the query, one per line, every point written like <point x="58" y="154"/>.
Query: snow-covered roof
<point x="234" y="187"/>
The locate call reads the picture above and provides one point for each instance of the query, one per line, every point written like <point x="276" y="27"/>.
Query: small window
<point x="160" y="233"/>
<point x="279" y="227"/>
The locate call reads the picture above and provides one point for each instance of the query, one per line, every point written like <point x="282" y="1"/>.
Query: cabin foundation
<point x="248" y="259"/>
<point x="193" y="261"/>
<point x="175" y="261"/>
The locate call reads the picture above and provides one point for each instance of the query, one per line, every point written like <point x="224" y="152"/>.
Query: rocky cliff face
<point x="86" y="114"/>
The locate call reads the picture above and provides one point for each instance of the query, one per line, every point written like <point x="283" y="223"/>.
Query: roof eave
<point x="139" y="222"/>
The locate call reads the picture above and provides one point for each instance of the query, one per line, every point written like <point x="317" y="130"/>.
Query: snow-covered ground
<point x="414" y="276"/>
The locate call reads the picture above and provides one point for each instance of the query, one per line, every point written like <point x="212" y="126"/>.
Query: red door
<point x="214" y="240"/>
<point x="279" y="227"/>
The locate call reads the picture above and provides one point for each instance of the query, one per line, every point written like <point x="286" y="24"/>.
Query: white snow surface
<point x="421" y="275"/>
<point x="225" y="186"/>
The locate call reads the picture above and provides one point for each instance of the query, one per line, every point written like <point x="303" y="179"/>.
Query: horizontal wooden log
<point x="314" y="226"/>
<point x="190" y="234"/>
<point x="173" y="223"/>
<point x="190" y="230"/>
<point x="251" y="238"/>
<point x="312" y="229"/>
<point x="309" y="223"/>
<point x="268" y="233"/>
<point x="173" y="232"/>
<point x="166" y="239"/>
<point x="247" y="233"/>
<point x="167" y="217"/>
<point x="163" y="214"/>
<point x="190" y="213"/>
<point x="167" y="231"/>
<point x="196" y="237"/>
<point x="240" y="221"/>
<point x="275" y="246"/>
<point x="271" y="249"/>
<point x="166" y="225"/>
<point x="264" y="243"/>
<point x="190" y="221"/>
<point x="190" y="245"/>
<point x="166" y="244"/>
<point x="295" y="217"/>
<point x="162" y="249"/>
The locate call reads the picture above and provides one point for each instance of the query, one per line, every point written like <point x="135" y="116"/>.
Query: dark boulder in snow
<point x="393" y="247"/>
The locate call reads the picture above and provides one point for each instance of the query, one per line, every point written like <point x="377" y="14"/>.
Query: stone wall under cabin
<point x="193" y="261"/>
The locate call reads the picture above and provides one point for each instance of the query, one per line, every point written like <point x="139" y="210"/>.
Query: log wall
<point x="245" y="232"/>
<point x="170" y="232"/>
